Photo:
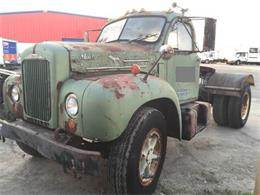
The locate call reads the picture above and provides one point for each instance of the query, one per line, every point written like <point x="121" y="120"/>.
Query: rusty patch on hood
<point x="118" y="94"/>
<point x="117" y="83"/>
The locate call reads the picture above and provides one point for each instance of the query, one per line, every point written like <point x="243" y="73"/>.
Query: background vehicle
<point x="78" y="103"/>
<point x="8" y="52"/>
<point x="238" y="58"/>
<point x="254" y="55"/>
<point x="210" y="57"/>
<point x="8" y="61"/>
<point x="207" y="57"/>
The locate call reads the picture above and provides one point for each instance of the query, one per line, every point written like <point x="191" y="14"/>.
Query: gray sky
<point x="237" y="20"/>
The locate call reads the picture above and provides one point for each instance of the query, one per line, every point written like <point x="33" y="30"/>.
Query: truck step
<point x="195" y="118"/>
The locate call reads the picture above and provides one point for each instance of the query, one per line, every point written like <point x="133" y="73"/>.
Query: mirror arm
<point x="153" y="66"/>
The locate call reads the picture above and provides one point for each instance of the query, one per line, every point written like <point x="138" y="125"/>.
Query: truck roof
<point x="167" y="14"/>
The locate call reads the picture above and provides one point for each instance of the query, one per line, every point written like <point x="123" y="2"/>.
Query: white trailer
<point x="254" y="55"/>
<point x="212" y="57"/>
<point x="207" y="57"/>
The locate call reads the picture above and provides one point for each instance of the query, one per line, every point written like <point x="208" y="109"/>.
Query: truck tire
<point x="239" y="108"/>
<point x="28" y="150"/>
<point x="220" y="109"/>
<point x="137" y="157"/>
<point x="238" y="62"/>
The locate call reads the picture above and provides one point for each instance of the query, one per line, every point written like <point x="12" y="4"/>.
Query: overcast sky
<point x="237" y="21"/>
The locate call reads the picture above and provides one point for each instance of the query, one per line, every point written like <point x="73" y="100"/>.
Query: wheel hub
<point x="150" y="157"/>
<point x="245" y="106"/>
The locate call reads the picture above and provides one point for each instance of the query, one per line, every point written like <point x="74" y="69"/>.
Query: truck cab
<point x="119" y="98"/>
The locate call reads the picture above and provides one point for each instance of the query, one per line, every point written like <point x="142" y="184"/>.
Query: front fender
<point x="78" y="88"/>
<point x="15" y="109"/>
<point x="109" y="103"/>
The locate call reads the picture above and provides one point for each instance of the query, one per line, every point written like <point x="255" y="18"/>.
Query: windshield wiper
<point x="141" y="38"/>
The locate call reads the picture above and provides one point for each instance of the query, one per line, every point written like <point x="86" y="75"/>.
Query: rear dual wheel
<point x="232" y="111"/>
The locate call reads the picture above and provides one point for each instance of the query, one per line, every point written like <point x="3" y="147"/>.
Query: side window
<point x="179" y="37"/>
<point x="253" y="50"/>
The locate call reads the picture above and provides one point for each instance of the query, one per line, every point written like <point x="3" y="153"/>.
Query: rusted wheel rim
<point x="245" y="106"/>
<point x="150" y="157"/>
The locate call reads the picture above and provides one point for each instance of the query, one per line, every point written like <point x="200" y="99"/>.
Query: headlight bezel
<point x="72" y="112"/>
<point x="15" y="91"/>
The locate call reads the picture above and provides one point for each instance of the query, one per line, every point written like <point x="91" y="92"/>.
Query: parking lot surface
<point x="219" y="160"/>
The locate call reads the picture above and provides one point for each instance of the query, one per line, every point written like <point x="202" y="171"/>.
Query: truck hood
<point x="87" y="57"/>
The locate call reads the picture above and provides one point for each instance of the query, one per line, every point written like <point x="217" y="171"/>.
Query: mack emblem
<point x="86" y="56"/>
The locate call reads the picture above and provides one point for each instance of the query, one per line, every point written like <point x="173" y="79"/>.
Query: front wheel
<point x="137" y="157"/>
<point x="238" y="62"/>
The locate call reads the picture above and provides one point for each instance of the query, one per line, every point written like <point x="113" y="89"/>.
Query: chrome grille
<point x="36" y="86"/>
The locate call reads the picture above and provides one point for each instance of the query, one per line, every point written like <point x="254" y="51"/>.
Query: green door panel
<point x="183" y="74"/>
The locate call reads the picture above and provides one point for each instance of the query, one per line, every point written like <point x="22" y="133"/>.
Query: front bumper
<point x="231" y="61"/>
<point x="43" y="140"/>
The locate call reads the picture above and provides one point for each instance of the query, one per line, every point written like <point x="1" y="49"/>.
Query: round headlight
<point x="15" y="93"/>
<point x="71" y="105"/>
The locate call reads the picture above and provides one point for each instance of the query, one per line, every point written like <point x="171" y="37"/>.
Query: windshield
<point x="147" y="29"/>
<point x="241" y="54"/>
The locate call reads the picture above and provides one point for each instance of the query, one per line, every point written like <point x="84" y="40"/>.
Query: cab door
<point x="181" y="70"/>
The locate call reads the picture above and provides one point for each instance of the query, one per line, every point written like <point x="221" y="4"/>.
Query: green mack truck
<point x="116" y="101"/>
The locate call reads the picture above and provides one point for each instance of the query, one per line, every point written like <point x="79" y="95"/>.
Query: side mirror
<point x="205" y="29"/>
<point x="166" y="51"/>
<point x="209" y="34"/>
